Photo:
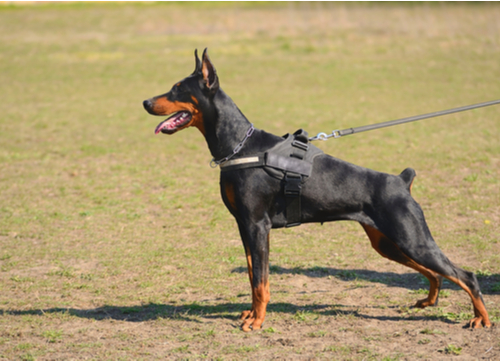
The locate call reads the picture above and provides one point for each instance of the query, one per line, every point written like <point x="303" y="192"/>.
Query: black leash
<point x="365" y="128"/>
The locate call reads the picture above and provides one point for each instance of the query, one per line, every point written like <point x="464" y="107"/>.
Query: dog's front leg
<point x="255" y="238"/>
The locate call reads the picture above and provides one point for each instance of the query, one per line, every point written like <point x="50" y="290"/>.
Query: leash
<point x="365" y="128"/>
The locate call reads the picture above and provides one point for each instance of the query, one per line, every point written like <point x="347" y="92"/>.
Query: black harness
<point x="291" y="161"/>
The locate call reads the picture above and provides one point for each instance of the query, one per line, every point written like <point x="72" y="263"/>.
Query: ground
<point x="114" y="242"/>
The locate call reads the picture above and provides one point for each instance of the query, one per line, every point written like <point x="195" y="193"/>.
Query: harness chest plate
<point x="290" y="161"/>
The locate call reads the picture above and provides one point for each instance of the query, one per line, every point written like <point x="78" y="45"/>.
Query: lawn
<point x="114" y="242"/>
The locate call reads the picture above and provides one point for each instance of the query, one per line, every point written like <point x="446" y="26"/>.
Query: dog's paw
<point x="246" y="314"/>
<point x="478" y="322"/>
<point x="423" y="303"/>
<point x="250" y="322"/>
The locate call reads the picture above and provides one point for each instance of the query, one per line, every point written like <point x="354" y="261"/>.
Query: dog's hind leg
<point x="468" y="281"/>
<point x="256" y="242"/>
<point x="434" y="268"/>
<point x="386" y="248"/>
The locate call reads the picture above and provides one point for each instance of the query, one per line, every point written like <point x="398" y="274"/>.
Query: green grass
<point x="52" y="336"/>
<point x="452" y="349"/>
<point x="104" y="226"/>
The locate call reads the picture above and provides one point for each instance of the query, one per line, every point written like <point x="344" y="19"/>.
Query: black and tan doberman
<point x="265" y="188"/>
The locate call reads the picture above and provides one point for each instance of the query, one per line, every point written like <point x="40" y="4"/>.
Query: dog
<point x="268" y="181"/>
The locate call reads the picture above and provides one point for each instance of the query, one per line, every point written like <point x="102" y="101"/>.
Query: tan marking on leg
<point x="481" y="315"/>
<point x="375" y="237"/>
<point x="261" y="296"/>
<point x="248" y="314"/>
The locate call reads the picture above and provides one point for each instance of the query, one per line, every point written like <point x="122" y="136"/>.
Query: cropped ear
<point x="210" y="78"/>
<point x="197" y="68"/>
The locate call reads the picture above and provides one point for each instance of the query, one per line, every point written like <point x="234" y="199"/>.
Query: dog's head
<point x="185" y="103"/>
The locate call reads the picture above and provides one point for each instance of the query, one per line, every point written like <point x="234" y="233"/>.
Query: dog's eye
<point x="178" y="89"/>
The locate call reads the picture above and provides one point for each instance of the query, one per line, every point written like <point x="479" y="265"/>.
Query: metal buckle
<point x="336" y="133"/>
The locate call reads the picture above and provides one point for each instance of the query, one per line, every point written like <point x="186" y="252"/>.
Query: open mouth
<point x="173" y="122"/>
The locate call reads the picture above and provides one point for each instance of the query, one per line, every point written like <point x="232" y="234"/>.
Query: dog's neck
<point x="226" y="127"/>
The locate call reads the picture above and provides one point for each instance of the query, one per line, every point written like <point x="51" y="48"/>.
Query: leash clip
<point x="321" y="136"/>
<point x="324" y="136"/>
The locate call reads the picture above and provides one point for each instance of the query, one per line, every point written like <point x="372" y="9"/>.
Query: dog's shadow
<point x="196" y="312"/>
<point x="490" y="284"/>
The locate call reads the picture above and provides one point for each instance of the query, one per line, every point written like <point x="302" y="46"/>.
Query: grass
<point x="106" y="229"/>
<point x="452" y="349"/>
<point x="52" y="336"/>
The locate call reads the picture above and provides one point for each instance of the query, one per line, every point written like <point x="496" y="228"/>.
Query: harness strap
<point x="244" y="162"/>
<point x="273" y="160"/>
<point x="293" y="181"/>
<point x="293" y="189"/>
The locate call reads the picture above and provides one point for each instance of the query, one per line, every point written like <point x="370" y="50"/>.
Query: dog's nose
<point x="147" y="104"/>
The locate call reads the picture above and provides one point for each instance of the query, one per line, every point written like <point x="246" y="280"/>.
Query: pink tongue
<point x="172" y="122"/>
<point x="160" y="126"/>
